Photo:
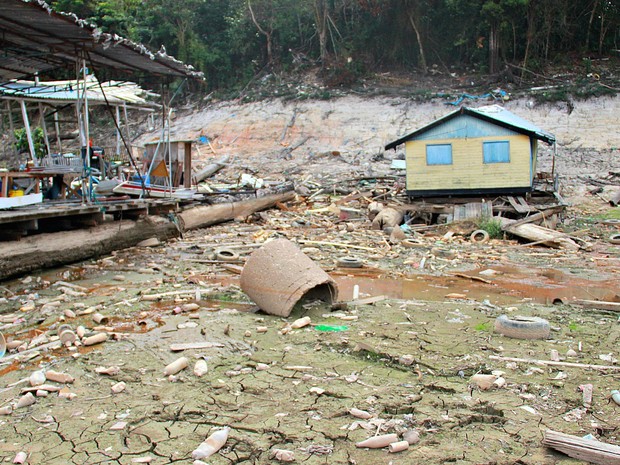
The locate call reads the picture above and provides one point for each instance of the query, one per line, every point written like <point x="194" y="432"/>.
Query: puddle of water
<point x="512" y="285"/>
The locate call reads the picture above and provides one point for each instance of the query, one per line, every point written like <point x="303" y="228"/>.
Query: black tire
<point x="349" y="262"/>
<point x="522" y="327"/>
<point x="614" y="239"/>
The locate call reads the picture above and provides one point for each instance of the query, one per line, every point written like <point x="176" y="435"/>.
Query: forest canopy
<point x="234" y="40"/>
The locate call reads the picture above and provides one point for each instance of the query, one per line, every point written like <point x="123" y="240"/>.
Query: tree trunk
<point x="320" y="16"/>
<point x="268" y="35"/>
<point x="420" y="45"/>
<point x="494" y="49"/>
<point x="201" y="217"/>
<point x="55" y="249"/>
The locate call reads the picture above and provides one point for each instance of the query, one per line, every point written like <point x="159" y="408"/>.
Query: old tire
<point x="522" y="327"/>
<point x="480" y="236"/>
<point x="226" y="255"/>
<point x="614" y="239"/>
<point x="349" y="262"/>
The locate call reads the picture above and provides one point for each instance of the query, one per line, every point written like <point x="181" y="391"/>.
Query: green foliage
<point x="21" y="141"/>
<point x="491" y="226"/>
<point x="235" y="45"/>
<point x="574" y="327"/>
<point x="485" y="326"/>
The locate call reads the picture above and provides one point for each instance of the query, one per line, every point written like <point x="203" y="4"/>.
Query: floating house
<point x="472" y="151"/>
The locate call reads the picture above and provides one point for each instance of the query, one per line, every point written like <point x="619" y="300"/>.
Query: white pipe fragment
<point x="37" y="378"/>
<point x="176" y="366"/>
<point x="398" y="446"/>
<point x="26" y="400"/>
<point x="201" y="368"/>
<point x="59" y="377"/>
<point x="301" y="322"/>
<point x="118" y="387"/>
<point x="484" y="382"/>
<point x="378" y="442"/>
<point x="6" y="410"/>
<point x="363" y="414"/>
<point x="211" y="445"/>
<point x="95" y="339"/>
<point x="283" y="455"/>
<point x="20" y="457"/>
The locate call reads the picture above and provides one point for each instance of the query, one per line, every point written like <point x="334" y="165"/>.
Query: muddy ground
<point x="406" y="359"/>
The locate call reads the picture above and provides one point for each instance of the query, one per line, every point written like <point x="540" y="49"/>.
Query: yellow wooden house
<point x="486" y="150"/>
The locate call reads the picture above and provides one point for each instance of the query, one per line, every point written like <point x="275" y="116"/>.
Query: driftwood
<point x="56" y="249"/>
<point x="554" y="363"/>
<point x="535" y="217"/>
<point x="588" y="450"/>
<point x="211" y="168"/>
<point x="203" y="216"/>
<point x="540" y="234"/>
<point x="600" y="304"/>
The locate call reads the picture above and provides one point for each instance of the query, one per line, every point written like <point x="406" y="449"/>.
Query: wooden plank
<point x="517" y="205"/>
<point x="588" y="450"/>
<point x="600" y="304"/>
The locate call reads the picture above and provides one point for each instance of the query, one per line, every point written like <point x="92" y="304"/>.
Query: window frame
<point x="493" y="142"/>
<point x="428" y="163"/>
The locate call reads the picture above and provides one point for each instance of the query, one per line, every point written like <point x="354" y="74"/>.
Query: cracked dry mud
<point x="407" y="361"/>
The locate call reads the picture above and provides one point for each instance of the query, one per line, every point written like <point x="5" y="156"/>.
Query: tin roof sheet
<point x="34" y="38"/>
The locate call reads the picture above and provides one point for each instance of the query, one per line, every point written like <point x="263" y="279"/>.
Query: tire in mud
<point x="226" y="255"/>
<point x="480" y="236"/>
<point x="614" y="239"/>
<point x="522" y="327"/>
<point x="349" y="262"/>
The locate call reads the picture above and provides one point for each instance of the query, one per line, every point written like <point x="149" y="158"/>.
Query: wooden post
<point x="187" y="164"/>
<point x="28" y="131"/>
<point x="11" y="126"/>
<point x="57" y="126"/>
<point x="44" y="126"/>
<point x="118" y="130"/>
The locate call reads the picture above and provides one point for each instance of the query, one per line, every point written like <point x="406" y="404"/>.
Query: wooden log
<point x="536" y="233"/>
<point x="203" y="216"/>
<point x="55" y="249"/>
<point x="588" y="450"/>
<point x="547" y="213"/>
<point x="211" y="168"/>
<point x="388" y="217"/>
<point x="600" y="304"/>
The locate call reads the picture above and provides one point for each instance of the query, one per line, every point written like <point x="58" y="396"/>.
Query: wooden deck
<point x="56" y="216"/>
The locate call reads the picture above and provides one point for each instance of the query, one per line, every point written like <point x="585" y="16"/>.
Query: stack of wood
<point x="588" y="450"/>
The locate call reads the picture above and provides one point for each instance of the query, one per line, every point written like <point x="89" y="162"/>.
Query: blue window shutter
<point x="496" y="152"/>
<point x="439" y="154"/>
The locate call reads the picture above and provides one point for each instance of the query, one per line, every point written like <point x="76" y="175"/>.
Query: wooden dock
<point x="55" y="216"/>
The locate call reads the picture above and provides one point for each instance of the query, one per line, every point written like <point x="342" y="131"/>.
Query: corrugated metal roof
<point x="116" y="92"/>
<point x="493" y="113"/>
<point x="33" y="38"/>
